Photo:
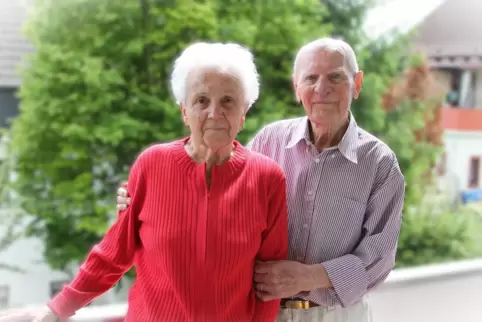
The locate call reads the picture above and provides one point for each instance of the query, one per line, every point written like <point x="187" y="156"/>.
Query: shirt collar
<point x="347" y="146"/>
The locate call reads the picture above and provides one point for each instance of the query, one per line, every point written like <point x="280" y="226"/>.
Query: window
<point x="4" y="296"/>
<point x="474" y="172"/>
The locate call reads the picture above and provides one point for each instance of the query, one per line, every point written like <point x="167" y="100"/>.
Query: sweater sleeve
<point x="109" y="259"/>
<point x="275" y="240"/>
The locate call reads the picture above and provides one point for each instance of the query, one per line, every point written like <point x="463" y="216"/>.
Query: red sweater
<point x="194" y="249"/>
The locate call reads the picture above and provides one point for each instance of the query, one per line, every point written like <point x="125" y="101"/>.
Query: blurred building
<point x="451" y="37"/>
<point x="12" y="48"/>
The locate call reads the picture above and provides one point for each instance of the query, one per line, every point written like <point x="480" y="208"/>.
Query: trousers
<point x="358" y="312"/>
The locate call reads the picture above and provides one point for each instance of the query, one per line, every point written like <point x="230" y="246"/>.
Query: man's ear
<point x="358" y="84"/>
<point x="295" y="88"/>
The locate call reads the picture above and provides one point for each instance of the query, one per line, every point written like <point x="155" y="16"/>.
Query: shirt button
<point x="310" y="193"/>
<point x="317" y="160"/>
<point x="305" y="226"/>
<point x="333" y="156"/>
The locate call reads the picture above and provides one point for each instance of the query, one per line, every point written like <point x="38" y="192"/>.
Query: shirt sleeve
<point x="354" y="274"/>
<point x="109" y="259"/>
<point x="274" y="245"/>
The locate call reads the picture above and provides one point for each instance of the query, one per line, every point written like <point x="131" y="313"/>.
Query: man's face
<point x="326" y="88"/>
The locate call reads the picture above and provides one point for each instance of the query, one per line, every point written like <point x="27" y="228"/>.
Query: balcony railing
<point x="444" y="293"/>
<point x="462" y="119"/>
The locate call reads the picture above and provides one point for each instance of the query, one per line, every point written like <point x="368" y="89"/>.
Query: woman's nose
<point x="214" y="111"/>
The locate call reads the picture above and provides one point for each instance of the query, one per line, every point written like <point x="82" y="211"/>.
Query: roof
<point x="13" y="46"/>
<point x="451" y="35"/>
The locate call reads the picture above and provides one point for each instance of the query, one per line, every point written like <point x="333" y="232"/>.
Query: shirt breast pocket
<point x="344" y="218"/>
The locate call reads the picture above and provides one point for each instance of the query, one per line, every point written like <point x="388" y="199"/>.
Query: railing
<point x="434" y="293"/>
<point x="461" y="119"/>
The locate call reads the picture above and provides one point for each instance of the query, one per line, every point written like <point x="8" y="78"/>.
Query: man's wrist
<point x="319" y="277"/>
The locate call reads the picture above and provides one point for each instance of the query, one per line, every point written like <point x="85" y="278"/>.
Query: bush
<point x="434" y="233"/>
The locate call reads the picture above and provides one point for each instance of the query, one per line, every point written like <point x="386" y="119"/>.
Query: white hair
<point x="232" y="58"/>
<point x="330" y="45"/>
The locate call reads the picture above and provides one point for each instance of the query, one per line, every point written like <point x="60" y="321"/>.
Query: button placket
<point x="311" y="187"/>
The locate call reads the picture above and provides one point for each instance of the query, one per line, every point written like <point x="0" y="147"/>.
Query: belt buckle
<point x="297" y="304"/>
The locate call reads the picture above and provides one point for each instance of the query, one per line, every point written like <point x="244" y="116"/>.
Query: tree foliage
<point x="413" y="128"/>
<point x="96" y="92"/>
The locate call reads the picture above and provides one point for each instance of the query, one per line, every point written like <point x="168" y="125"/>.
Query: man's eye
<point x="335" y="76"/>
<point x="311" y="78"/>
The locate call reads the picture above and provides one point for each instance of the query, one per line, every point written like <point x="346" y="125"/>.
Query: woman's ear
<point x="184" y="114"/>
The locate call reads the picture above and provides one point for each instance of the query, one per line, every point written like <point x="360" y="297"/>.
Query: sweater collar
<point x="232" y="166"/>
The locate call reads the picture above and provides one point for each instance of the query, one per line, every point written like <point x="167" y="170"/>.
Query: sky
<point x="402" y="15"/>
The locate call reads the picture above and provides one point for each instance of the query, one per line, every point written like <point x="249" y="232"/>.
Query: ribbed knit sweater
<point x="193" y="248"/>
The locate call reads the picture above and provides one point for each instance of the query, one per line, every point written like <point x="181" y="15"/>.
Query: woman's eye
<point x="227" y="99"/>
<point x="202" y="100"/>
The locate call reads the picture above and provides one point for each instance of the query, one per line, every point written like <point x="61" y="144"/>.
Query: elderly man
<point x="345" y="195"/>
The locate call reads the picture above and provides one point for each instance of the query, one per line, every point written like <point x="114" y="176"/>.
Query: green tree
<point x="96" y="92"/>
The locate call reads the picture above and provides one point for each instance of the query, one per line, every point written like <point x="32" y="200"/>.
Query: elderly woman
<point x="223" y="208"/>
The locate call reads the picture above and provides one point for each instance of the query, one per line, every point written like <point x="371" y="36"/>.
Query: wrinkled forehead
<point x="322" y="61"/>
<point x="213" y="81"/>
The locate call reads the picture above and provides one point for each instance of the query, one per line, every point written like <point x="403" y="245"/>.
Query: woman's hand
<point x="123" y="199"/>
<point x="43" y="314"/>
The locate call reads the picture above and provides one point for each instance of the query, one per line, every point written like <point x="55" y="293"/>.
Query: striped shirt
<point x="344" y="206"/>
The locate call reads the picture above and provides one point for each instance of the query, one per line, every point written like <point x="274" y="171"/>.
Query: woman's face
<point x="214" y="108"/>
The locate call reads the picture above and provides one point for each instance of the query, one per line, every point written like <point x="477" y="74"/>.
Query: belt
<point x="297" y="304"/>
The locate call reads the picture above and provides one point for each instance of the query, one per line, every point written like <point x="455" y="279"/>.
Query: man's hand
<point x="282" y="279"/>
<point x="123" y="199"/>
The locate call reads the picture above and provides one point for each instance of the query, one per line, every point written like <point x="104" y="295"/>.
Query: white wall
<point x="34" y="285"/>
<point x="459" y="148"/>
<point x="440" y="293"/>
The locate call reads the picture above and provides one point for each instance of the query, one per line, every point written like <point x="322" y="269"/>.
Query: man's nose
<point x="322" y="87"/>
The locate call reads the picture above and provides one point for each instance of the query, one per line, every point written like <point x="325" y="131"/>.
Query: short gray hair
<point x="225" y="57"/>
<point x="331" y="45"/>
